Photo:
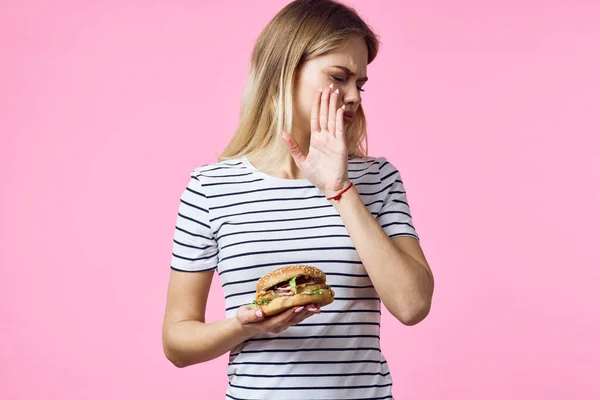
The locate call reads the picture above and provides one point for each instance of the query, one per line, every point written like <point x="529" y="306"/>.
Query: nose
<point x="351" y="97"/>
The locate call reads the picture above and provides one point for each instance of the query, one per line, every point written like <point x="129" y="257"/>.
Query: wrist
<point x="343" y="188"/>
<point x="348" y="200"/>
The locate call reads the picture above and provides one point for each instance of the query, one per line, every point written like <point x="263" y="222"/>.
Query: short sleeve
<point x="394" y="217"/>
<point x="194" y="246"/>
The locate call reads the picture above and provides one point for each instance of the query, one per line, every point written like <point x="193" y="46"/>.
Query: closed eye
<point x="338" y="79"/>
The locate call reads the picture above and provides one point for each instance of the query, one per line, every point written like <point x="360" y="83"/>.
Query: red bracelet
<point x="339" y="195"/>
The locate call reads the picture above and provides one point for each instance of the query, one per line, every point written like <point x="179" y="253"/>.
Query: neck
<point x="283" y="164"/>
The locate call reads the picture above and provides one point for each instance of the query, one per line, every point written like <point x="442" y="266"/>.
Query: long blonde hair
<point x="302" y="30"/>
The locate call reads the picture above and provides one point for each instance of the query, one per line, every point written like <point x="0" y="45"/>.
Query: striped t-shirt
<point x="244" y="223"/>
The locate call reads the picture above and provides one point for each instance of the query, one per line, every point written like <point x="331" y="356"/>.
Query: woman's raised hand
<point x="326" y="164"/>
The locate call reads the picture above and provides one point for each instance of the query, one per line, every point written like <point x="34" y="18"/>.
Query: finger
<point x="299" y="317"/>
<point x="314" y="114"/>
<point x="340" y="131"/>
<point x="323" y="111"/>
<point x="313" y="308"/>
<point x="293" y="148"/>
<point x="332" y="111"/>
<point x="281" y="322"/>
<point x="282" y="318"/>
<point x="307" y="313"/>
<point x="298" y="312"/>
<point x="248" y="315"/>
<point x="295" y="315"/>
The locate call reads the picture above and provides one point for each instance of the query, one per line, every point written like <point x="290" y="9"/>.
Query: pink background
<point x="491" y="110"/>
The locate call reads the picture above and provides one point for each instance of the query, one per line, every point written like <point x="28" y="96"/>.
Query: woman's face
<point x="345" y="67"/>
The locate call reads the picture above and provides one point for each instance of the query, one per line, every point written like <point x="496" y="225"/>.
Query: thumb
<point x="247" y="315"/>
<point x="293" y="148"/>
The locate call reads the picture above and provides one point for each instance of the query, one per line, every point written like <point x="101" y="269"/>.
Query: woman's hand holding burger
<point x="285" y="297"/>
<point x="254" y="321"/>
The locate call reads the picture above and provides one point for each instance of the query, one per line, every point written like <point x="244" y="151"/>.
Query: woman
<point x="274" y="199"/>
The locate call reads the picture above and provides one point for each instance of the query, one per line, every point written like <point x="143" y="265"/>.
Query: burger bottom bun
<point x="280" y="304"/>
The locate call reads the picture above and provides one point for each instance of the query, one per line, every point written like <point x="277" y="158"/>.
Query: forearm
<point x="403" y="284"/>
<point x="192" y="342"/>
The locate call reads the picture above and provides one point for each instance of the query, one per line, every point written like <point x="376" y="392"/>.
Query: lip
<point x="348" y="116"/>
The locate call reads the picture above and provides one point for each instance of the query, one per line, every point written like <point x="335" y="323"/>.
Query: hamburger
<point x="292" y="286"/>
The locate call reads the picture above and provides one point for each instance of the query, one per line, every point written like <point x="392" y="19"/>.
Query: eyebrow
<point x="351" y="73"/>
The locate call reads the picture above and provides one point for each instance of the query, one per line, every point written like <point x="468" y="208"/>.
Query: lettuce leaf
<point x="262" y="301"/>
<point x="293" y="285"/>
<point x="316" y="291"/>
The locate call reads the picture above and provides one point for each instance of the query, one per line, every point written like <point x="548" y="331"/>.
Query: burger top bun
<point x="286" y="273"/>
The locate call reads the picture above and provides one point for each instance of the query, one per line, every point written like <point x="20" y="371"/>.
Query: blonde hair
<point x="302" y="30"/>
